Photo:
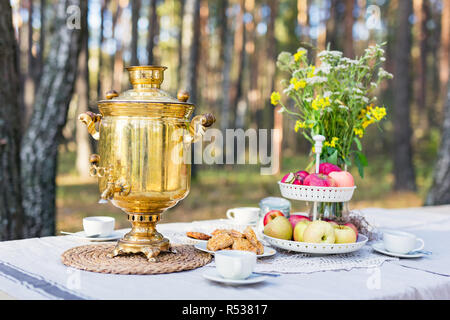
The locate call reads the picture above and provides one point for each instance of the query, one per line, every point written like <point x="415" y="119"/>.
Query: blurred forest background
<point x="224" y="54"/>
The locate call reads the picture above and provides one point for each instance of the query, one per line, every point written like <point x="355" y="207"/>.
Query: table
<point x="32" y="269"/>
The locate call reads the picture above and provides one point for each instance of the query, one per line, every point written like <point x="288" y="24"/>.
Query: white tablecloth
<point x="32" y="269"/>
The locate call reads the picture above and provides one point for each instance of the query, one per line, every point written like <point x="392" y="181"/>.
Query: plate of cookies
<point x="229" y="239"/>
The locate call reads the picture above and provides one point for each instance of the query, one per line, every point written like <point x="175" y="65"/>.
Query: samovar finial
<point x="145" y="77"/>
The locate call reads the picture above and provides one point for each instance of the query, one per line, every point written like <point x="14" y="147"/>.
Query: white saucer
<point x="267" y="250"/>
<point x="113" y="236"/>
<point x="379" y="247"/>
<point x="215" y="276"/>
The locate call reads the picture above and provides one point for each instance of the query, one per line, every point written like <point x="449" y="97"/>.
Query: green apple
<point x="279" y="228"/>
<point x="344" y="234"/>
<point x="319" y="232"/>
<point x="299" y="229"/>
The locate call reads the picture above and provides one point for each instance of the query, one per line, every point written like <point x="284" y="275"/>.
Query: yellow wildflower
<point x="302" y="125"/>
<point x="275" y="98"/>
<point x="299" y="125"/>
<point x="298" y="84"/>
<point x="379" y="113"/>
<point x="366" y="123"/>
<point x="315" y="104"/>
<point x="319" y="102"/>
<point x="299" y="55"/>
<point x="332" y="143"/>
<point x="325" y="102"/>
<point x="362" y="113"/>
<point x="334" y="140"/>
<point x="359" y="132"/>
<point x="311" y="73"/>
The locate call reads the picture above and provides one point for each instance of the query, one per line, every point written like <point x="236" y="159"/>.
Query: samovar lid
<point x="146" y="82"/>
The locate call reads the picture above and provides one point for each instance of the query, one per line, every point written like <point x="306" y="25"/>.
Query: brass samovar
<point x="144" y="146"/>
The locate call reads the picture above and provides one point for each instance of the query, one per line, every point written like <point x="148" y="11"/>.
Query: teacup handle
<point x="421" y="246"/>
<point x="229" y="212"/>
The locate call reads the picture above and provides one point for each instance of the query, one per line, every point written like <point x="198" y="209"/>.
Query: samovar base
<point x="143" y="238"/>
<point x="150" y="251"/>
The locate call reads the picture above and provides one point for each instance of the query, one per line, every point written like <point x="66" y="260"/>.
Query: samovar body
<point x="143" y="164"/>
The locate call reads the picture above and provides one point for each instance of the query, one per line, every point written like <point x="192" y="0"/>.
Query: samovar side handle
<point x="90" y="119"/>
<point x="199" y="124"/>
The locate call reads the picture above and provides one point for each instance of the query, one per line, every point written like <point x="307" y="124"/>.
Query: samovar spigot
<point x="112" y="186"/>
<point x="108" y="193"/>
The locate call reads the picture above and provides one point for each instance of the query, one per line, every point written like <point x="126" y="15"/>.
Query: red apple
<point x="301" y="175"/>
<point x="319" y="180"/>
<point x="343" y="178"/>
<point x="272" y="214"/>
<point x="296" y="218"/>
<point x="351" y="225"/>
<point x="326" y="168"/>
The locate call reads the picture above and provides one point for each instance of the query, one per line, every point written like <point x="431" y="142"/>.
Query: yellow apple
<point x="344" y="234"/>
<point x="279" y="228"/>
<point x="319" y="232"/>
<point x="299" y="230"/>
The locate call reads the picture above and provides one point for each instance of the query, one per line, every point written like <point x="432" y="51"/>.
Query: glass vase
<point x="336" y="211"/>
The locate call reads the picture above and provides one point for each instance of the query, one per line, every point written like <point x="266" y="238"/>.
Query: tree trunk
<point x="227" y="47"/>
<point x="83" y="141"/>
<point x="440" y="191"/>
<point x="271" y="58"/>
<point x="332" y="26"/>
<point x="206" y="95"/>
<point x="40" y="58"/>
<point x="117" y="61"/>
<point x="11" y="212"/>
<point x="29" y="85"/>
<point x="253" y="94"/>
<point x="238" y="104"/>
<point x="192" y="19"/>
<point x="422" y="12"/>
<point x="403" y="166"/>
<point x="135" y="8"/>
<point x="444" y="59"/>
<point x="275" y="118"/>
<point x="152" y="32"/>
<point x="40" y="144"/>
<point x="100" y="52"/>
<point x="348" y="28"/>
<point x="194" y="50"/>
<point x="180" y="44"/>
<point x="31" y="58"/>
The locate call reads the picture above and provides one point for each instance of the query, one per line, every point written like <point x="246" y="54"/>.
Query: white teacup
<point x="235" y="264"/>
<point x="401" y="242"/>
<point x="243" y="215"/>
<point x="100" y="225"/>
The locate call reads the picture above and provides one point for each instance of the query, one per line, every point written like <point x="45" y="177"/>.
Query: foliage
<point x="334" y="99"/>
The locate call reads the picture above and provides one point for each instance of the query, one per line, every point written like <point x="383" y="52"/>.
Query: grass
<point x="218" y="188"/>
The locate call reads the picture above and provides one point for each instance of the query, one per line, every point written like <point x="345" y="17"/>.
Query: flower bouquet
<point x="334" y="99"/>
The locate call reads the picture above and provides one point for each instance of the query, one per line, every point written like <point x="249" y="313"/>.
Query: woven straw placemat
<point x="95" y="258"/>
